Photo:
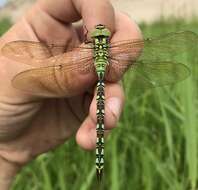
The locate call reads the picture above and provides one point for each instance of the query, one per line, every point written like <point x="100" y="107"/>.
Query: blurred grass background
<point x="5" y="24"/>
<point x="154" y="146"/>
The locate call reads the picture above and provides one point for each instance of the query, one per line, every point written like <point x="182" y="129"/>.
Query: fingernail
<point x="114" y="104"/>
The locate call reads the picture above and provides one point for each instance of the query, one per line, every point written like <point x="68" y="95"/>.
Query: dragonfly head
<point x="100" y="31"/>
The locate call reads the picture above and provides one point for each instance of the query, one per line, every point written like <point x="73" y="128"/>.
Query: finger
<point x="86" y="135"/>
<point x="114" y="101"/>
<point x="125" y="28"/>
<point x="92" y="12"/>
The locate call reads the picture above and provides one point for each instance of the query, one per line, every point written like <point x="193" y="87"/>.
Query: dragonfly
<point x="153" y="62"/>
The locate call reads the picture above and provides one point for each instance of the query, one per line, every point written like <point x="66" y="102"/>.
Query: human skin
<point x="30" y="125"/>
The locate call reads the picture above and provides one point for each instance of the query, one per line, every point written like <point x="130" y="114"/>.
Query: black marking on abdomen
<point x="100" y="128"/>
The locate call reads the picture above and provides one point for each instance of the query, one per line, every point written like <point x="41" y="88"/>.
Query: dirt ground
<point x="140" y="10"/>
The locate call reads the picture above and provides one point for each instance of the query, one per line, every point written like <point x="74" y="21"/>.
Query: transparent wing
<point x="169" y="47"/>
<point x="50" y="65"/>
<point x="37" y="81"/>
<point x="161" y="48"/>
<point x="30" y="50"/>
<point x="155" y="74"/>
<point x="42" y="54"/>
<point x="154" y="62"/>
<point x="48" y="81"/>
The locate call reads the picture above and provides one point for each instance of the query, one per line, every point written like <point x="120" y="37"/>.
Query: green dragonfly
<point x="153" y="62"/>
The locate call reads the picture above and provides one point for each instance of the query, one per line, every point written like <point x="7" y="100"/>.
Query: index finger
<point x="92" y="12"/>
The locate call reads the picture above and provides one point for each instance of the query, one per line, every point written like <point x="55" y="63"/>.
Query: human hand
<point x="30" y="125"/>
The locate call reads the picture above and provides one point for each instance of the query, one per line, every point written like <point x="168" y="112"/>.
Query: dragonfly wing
<point x="49" y="81"/>
<point x="37" y="81"/>
<point x="163" y="48"/>
<point x="126" y="51"/>
<point x="158" y="55"/>
<point x="77" y="59"/>
<point x="43" y="54"/>
<point x="170" y="46"/>
<point x="147" y="74"/>
<point x="27" y="50"/>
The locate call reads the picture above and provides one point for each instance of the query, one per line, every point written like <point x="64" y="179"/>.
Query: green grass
<point x="154" y="146"/>
<point x="4" y="25"/>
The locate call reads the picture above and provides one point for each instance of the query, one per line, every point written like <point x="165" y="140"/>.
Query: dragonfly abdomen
<point x="100" y="65"/>
<point x="100" y="128"/>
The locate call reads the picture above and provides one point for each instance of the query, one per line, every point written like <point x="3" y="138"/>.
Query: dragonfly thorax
<point x="100" y="36"/>
<point x="101" y="55"/>
<point x="101" y="45"/>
